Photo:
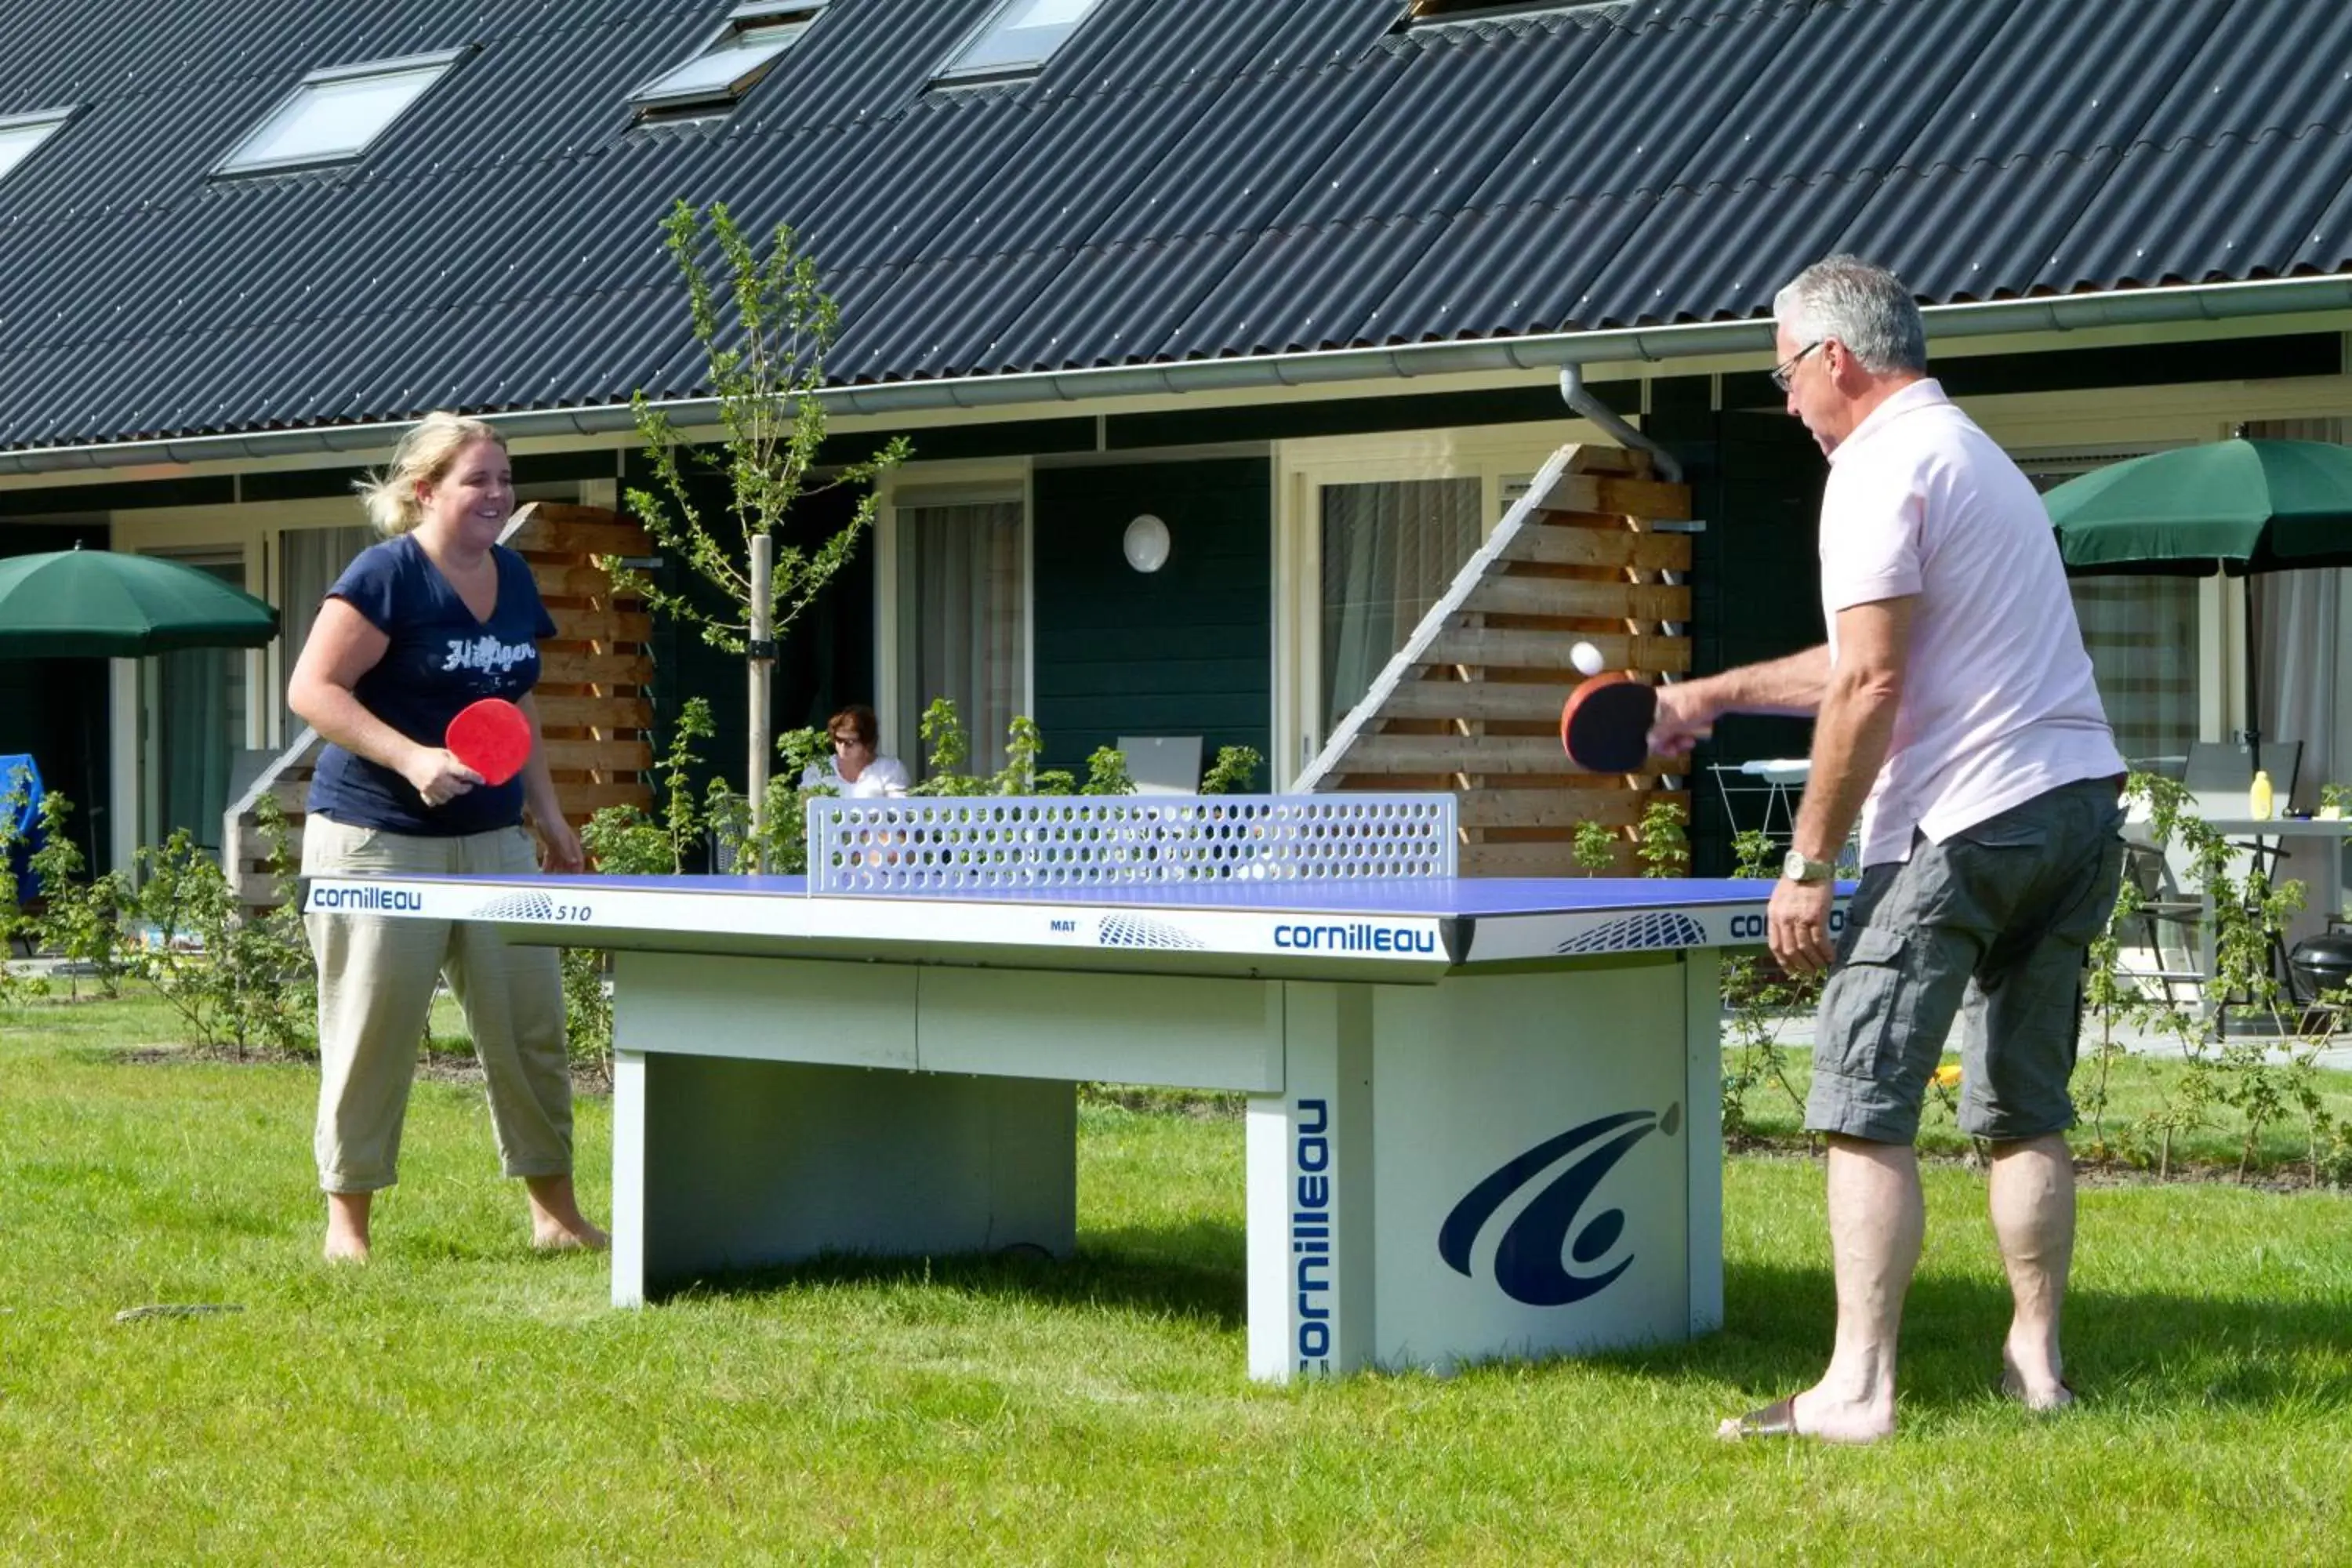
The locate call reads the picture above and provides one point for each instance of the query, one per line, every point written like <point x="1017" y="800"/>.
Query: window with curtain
<point x="310" y="560"/>
<point x="2302" y="660"/>
<point x="2141" y="634"/>
<point x="965" y="598"/>
<point x="1390" y="552"/>
<point x="200" y="717"/>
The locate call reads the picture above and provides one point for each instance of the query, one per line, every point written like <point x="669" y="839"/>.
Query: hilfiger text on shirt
<point x="486" y="653"/>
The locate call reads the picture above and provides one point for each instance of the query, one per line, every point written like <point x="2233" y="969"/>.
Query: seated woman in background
<point x="854" y="770"/>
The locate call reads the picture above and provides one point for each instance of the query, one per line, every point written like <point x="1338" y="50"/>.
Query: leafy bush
<point x="236" y="980"/>
<point x="80" y="922"/>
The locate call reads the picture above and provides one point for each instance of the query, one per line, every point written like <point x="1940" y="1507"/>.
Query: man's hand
<point x="559" y="846"/>
<point x="1684" y="718"/>
<point x="1798" y="925"/>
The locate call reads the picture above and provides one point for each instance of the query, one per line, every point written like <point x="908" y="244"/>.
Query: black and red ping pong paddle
<point x="1605" y="724"/>
<point x="492" y="737"/>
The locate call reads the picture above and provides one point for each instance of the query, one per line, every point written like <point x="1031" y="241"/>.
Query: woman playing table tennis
<point x="416" y="629"/>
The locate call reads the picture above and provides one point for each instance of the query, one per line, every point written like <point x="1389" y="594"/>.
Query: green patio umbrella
<point x="2237" y="507"/>
<point x="2228" y="506"/>
<point x="105" y="604"/>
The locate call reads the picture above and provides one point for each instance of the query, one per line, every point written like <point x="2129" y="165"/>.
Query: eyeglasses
<point x="845" y="739"/>
<point x="1787" y="368"/>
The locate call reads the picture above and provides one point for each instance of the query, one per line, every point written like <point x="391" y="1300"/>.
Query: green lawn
<point x="462" y="1400"/>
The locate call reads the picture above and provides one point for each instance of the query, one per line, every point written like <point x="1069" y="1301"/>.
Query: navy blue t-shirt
<point x="441" y="658"/>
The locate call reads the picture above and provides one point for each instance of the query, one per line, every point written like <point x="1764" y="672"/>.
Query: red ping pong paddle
<point x="492" y="737"/>
<point x="1605" y="724"/>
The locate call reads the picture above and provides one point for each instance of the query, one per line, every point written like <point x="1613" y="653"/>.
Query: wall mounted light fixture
<point x="1145" y="543"/>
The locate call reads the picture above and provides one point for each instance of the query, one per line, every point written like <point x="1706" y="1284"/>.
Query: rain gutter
<point x="2062" y="313"/>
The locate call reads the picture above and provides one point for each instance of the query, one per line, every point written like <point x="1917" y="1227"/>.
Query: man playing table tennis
<point x="1955" y="714"/>
<point x="418" y="629"/>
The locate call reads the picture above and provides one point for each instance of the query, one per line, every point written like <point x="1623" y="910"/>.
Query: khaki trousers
<point x="375" y="993"/>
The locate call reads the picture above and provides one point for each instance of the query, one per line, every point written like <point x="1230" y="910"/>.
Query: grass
<point x="462" y="1400"/>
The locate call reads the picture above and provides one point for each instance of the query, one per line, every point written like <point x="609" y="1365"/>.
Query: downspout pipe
<point x="1580" y="397"/>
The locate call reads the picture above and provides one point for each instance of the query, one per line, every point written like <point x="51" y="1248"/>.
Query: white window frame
<point x="910" y="487"/>
<point x="790" y="19"/>
<point x="955" y="73"/>
<point x="1494" y="455"/>
<point x="431" y="68"/>
<point x="16" y="145"/>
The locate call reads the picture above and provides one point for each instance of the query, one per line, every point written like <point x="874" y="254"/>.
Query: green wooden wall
<point x="1185" y="650"/>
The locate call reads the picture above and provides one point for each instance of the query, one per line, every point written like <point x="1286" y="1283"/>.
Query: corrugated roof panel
<point x="1223" y="178"/>
<point x="1082" y="157"/>
<point x="1506" y="273"/>
<point x="1805" y="119"/>
<point x="942" y="318"/>
<point x="1718" y="254"/>
<point x="2302" y="53"/>
<point x="2154" y="220"/>
<point x="1301" y="290"/>
<point x="1445" y="119"/>
<point x="1977" y="233"/>
<point x="904" y="181"/>
<point x="1143" y="292"/>
<point x="2064" y="79"/>
<point x="1253" y="144"/>
<point x="1644" y="99"/>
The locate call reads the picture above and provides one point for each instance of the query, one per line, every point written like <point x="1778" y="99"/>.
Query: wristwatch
<point x="1797" y="869"/>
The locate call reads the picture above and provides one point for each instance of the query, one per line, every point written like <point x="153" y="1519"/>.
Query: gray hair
<point x="1862" y="306"/>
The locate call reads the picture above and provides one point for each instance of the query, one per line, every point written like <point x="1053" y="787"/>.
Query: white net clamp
<point x="973" y="842"/>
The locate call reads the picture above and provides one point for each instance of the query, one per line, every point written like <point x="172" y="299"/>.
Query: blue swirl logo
<point x="1533" y="1260"/>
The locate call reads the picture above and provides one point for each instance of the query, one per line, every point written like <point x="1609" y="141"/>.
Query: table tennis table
<point x="1483" y="1115"/>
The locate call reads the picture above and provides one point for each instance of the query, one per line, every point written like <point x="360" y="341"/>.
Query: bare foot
<point x="347" y="1228"/>
<point x="1813" y="1415"/>
<point x="556" y="1223"/>
<point x="2046" y="1390"/>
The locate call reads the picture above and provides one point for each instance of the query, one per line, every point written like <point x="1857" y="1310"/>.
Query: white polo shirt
<point x="1998" y="703"/>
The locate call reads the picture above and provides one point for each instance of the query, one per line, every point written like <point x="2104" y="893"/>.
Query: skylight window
<point x="730" y="61"/>
<point x="20" y="133"/>
<point x="334" y="115"/>
<point x="1017" y="39"/>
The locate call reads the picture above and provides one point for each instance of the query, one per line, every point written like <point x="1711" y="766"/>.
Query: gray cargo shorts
<point x="1997" y="918"/>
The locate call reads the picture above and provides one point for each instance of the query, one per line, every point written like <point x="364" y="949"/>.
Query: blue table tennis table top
<point x="1440" y="898"/>
<point x="1226" y="925"/>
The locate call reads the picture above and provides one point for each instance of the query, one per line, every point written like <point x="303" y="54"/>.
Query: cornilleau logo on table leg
<point x="1531" y="1262"/>
<point x="1311" y="1242"/>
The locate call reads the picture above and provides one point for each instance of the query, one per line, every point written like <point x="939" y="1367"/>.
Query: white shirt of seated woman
<point x="854" y="770"/>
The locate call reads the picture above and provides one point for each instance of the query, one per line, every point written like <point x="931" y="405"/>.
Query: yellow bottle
<point x="2258" y="798"/>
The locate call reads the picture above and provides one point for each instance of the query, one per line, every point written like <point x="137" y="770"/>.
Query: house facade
<point x="1298" y="280"/>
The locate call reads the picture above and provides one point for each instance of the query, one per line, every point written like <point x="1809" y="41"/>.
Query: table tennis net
<point x="980" y="842"/>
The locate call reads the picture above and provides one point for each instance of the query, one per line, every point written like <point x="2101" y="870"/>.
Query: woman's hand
<point x="438" y="776"/>
<point x="559" y="846"/>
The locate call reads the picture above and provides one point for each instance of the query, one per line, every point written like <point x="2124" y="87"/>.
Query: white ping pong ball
<point x="1586" y="658"/>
